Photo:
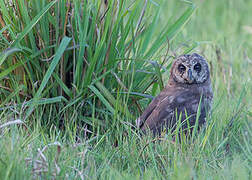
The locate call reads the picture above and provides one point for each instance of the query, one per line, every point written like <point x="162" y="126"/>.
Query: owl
<point x="188" y="91"/>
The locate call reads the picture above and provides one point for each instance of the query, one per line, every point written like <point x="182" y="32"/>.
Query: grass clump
<point x="74" y="75"/>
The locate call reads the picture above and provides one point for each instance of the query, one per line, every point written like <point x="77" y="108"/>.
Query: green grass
<point x="73" y="80"/>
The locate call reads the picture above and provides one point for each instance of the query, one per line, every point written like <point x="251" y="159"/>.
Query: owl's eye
<point x="197" y="67"/>
<point x="181" y="68"/>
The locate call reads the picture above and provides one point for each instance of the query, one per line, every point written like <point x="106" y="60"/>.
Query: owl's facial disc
<point x="190" y="69"/>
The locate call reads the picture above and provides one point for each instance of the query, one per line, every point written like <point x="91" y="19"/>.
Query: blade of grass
<point x="33" y="22"/>
<point x="150" y="31"/>
<point x="7" y="53"/>
<point x="171" y="32"/>
<point x="159" y="75"/>
<point x="102" y="99"/>
<point x="112" y="100"/>
<point x="10" y="97"/>
<point x="11" y="68"/>
<point x="47" y="101"/>
<point x="25" y="16"/>
<point x="63" y="45"/>
<point x="62" y="85"/>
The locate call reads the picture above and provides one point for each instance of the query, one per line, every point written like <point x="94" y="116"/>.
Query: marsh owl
<point x="188" y="86"/>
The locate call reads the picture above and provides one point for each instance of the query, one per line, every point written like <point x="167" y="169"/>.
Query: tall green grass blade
<point x="102" y="99"/>
<point x="63" y="45"/>
<point x="47" y="101"/>
<point x="12" y="68"/>
<point x="71" y="103"/>
<point x="62" y="85"/>
<point x="24" y="13"/>
<point x="1" y="35"/>
<point x="12" y="95"/>
<point x="112" y="100"/>
<point x="159" y="75"/>
<point x="33" y="22"/>
<point x="150" y="31"/>
<point x="7" y="53"/>
<point x="171" y="32"/>
<point x="82" y="24"/>
<point x="4" y="11"/>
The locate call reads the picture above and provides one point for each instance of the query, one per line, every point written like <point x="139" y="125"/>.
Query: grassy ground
<point x="77" y="130"/>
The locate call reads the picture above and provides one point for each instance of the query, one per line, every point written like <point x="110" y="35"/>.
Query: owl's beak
<point x="190" y="76"/>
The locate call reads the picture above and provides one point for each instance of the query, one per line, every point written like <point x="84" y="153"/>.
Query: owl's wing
<point x="149" y="118"/>
<point x="147" y="112"/>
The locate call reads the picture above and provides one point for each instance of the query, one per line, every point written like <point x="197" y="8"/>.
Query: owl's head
<point x="190" y="69"/>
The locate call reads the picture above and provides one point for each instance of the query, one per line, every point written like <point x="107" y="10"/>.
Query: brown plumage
<point x="188" y="85"/>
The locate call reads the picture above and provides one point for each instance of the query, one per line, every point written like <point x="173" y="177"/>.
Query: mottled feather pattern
<point x="189" y="83"/>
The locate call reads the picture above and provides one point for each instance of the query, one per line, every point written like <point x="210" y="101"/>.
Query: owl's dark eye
<point x="181" y="68"/>
<point x="197" y="67"/>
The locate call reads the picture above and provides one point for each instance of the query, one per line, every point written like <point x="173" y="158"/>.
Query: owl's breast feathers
<point x="174" y="102"/>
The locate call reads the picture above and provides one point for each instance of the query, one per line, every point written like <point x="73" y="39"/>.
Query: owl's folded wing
<point x="149" y="119"/>
<point x="147" y="112"/>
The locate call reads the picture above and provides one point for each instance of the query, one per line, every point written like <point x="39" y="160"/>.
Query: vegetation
<point x="74" y="75"/>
